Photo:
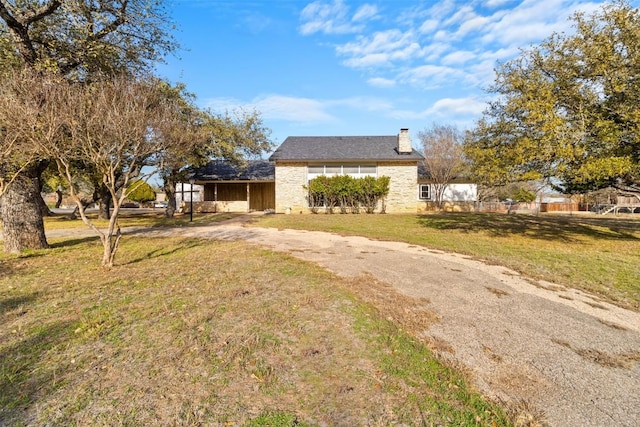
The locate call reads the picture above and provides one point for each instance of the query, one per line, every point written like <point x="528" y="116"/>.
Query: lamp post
<point x="191" y="182"/>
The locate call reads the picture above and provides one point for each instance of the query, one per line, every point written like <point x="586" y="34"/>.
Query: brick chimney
<point x="404" y="142"/>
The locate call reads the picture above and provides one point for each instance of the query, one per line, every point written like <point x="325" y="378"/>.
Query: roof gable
<point x="342" y="148"/>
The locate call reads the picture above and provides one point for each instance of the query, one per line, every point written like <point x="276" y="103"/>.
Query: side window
<point x="425" y="193"/>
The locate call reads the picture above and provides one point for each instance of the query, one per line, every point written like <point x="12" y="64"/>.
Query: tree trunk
<point x="59" y="199"/>
<point x="104" y="211"/>
<point x="170" y="194"/>
<point x="22" y="223"/>
<point x="44" y="209"/>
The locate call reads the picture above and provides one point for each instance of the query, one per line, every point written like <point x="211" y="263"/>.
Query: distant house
<point x="279" y="184"/>
<point x="460" y="194"/>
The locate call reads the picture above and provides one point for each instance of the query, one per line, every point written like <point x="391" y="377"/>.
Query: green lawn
<point x="200" y="332"/>
<point x="596" y="254"/>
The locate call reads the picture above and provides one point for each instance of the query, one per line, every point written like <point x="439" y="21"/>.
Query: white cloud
<point x="430" y="76"/>
<point x="381" y="49"/>
<point x="458" y="57"/>
<point x="453" y="110"/>
<point x="364" y="103"/>
<point x="278" y="107"/>
<point x="429" y="26"/>
<point x="365" y="12"/>
<point x="433" y="51"/>
<point x="381" y="82"/>
<point x="450" y="43"/>
<point x="532" y="21"/>
<point x="496" y="3"/>
<point x="381" y="41"/>
<point x="333" y="17"/>
<point x="298" y="109"/>
<point x="457" y="106"/>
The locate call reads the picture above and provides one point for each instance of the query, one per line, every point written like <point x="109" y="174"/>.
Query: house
<point x="300" y="159"/>
<point x="459" y="195"/>
<point x="280" y="183"/>
<point x="230" y="187"/>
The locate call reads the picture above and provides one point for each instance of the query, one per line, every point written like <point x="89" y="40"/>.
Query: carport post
<point x="191" y="182"/>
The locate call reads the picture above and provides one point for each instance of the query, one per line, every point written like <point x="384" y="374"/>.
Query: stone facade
<point x="232" y="206"/>
<point x="291" y="197"/>
<point x="403" y="186"/>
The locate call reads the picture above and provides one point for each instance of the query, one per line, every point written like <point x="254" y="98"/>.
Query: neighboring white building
<point x="460" y="194"/>
<point x="184" y="191"/>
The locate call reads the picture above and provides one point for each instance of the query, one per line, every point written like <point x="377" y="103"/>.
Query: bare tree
<point x="111" y="126"/>
<point x="444" y="159"/>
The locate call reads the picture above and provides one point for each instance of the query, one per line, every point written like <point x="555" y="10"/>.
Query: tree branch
<point x="43" y="11"/>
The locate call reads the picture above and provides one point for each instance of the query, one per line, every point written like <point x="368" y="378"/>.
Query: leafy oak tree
<point x="81" y="40"/>
<point x="568" y="108"/>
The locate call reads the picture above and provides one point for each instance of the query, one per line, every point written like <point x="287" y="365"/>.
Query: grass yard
<point x="195" y="332"/>
<point x="597" y="254"/>
<point x="135" y="218"/>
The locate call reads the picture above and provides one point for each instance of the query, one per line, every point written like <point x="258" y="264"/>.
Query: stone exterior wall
<point x="213" y="207"/>
<point x="403" y="186"/>
<point x="231" y="206"/>
<point x="290" y="194"/>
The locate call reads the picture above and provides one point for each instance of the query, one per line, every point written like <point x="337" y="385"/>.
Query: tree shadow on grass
<point x="24" y="375"/>
<point x="65" y="243"/>
<point x="7" y="305"/>
<point x="560" y="228"/>
<point x="160" y="252"/>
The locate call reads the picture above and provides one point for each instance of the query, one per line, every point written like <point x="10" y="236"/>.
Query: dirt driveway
<point x="563" y="351"/>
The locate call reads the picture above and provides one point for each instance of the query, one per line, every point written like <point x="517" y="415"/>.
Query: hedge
<point x="347" y="193"/>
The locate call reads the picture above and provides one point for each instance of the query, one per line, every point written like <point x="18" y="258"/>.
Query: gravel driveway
<point x="564" y="352"/>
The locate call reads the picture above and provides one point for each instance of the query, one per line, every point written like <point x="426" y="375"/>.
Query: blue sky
<point x="347" y="67"/>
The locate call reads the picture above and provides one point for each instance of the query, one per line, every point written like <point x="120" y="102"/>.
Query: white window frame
<point x="421" y="191"/>
<point x="339" y="169"/>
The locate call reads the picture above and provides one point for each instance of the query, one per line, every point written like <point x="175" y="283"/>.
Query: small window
<point x="425" y="192"/>
<point x="337" y="169"/>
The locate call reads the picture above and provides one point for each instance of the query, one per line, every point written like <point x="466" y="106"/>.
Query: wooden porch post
<point x="248" y="198"/>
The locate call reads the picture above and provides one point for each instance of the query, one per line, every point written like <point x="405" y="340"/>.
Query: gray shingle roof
<point x="342" y="148"/>
<point x="219" y="170"/>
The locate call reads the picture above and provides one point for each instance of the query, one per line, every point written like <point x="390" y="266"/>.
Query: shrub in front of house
<point x="348" y="193"/>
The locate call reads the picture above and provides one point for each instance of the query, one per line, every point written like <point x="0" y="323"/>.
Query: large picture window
<point x="424" y="192"/>
<point x="332" y="169"/>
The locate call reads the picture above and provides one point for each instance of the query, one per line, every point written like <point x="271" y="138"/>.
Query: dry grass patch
<point x="498" y="292"/>
<point x="622" y="361"/>
<point x="195" y="332"/>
